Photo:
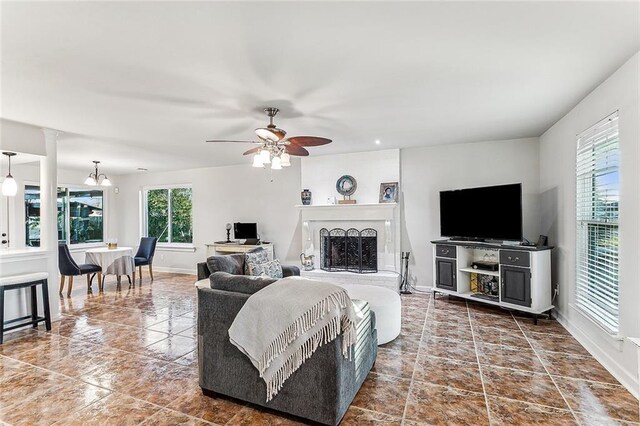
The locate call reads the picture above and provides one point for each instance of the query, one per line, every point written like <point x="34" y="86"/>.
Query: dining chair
<point x="144" y="256"/>
<point x="69" y="268"/>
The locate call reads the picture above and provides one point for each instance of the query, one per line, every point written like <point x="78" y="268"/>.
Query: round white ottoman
<point x="385" y="303"/>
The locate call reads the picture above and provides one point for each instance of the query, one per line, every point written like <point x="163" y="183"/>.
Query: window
<point x="85" y="216"/>
<point x="598" y="195"/>
<point x="168" y="214"/>
<point x="79" y="215"/>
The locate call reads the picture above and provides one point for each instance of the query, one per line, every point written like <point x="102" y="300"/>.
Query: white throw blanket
<point x="282" y="325"/>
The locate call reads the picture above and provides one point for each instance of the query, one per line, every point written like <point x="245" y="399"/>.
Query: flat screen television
<point x="490" y="212"/>
<point x="244" y="231"/>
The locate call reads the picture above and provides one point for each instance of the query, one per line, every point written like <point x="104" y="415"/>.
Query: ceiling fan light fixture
<point x="265" y="155"/>
<point x="285" y="160"/>
<point x="271" y="134"/>
<point x="257" y="161"/>
<point x="276" y="163"/>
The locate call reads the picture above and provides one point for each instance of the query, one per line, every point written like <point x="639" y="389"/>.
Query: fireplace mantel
<point x="328" y="212"/>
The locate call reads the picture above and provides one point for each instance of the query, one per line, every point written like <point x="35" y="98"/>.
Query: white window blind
<point x="598" y="195"/>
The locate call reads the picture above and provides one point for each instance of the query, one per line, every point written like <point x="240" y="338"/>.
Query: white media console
<point x="521" y="282"/>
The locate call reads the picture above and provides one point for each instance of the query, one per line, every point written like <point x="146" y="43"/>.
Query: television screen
<point x="491" y="212"/>
<point x="243" y="231"/>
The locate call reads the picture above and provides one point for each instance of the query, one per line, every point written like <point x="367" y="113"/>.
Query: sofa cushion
<point x="238" y="283"/>
<point x="233" y="264"/>
<point x="255" y="256"/>
<point x="271" y="269"/>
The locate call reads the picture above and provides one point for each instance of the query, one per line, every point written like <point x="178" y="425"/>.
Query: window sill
<point x="615" y="337"/>
<point x="176" y="247"/>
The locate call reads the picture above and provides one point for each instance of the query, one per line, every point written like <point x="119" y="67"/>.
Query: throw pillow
<point x="238" y="283"/>
<point x="255" y="256"/>
<point x="228" y="263"/>
<point x="271" y="269"/>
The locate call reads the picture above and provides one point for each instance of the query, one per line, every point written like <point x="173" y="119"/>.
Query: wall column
<point x="49" y="214"/>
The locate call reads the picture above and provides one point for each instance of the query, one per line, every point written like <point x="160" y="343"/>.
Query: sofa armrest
<point x="203" y="271"/>
<point x="289" y="271"/>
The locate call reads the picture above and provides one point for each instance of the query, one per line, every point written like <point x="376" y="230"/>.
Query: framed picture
<point x="389" y="192"/>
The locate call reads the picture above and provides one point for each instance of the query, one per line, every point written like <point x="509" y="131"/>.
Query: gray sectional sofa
<point x="321" y="390"/>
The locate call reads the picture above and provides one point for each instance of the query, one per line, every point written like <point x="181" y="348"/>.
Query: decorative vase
<point x="306" y="197"/>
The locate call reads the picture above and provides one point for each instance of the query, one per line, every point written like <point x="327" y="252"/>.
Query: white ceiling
<point x="144" y="84"/>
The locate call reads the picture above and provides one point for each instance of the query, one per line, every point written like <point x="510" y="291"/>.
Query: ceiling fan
<point x="273" y="148"/>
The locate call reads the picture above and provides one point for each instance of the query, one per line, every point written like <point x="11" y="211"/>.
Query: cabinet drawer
<point x="446" y="251"/>
<point x="514" y="257"/>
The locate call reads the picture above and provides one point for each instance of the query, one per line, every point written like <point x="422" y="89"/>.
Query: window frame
<point x="144" y="219"/>
<point x="587" y="289"/>
<point x="67" y="217"/>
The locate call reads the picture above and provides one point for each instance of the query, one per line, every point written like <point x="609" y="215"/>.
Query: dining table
<point x="116" y="261"/>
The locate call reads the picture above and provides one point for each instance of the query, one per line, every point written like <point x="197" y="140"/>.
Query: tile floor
<point x="128" y="357"/>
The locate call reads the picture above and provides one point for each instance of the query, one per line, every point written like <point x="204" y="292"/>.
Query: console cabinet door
<point x="446" y="274"/>
<point x="516" y="285"/>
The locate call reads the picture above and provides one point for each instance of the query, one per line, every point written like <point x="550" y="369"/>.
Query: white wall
<point x="429" y="170"/>
<point x="21" y="137"/>
<point x="558" y="185"/>
<point x="220" y="195"/>
<point x="321" y="172"/>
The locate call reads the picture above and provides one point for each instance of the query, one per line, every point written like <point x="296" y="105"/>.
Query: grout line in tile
<point x="550" y="376"/>
<point x="413" y="372"/>
<point x="484" y="388"/>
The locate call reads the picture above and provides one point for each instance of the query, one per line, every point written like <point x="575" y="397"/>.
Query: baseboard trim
<point x="627" y="380"/>
<point x="184" y="271"/>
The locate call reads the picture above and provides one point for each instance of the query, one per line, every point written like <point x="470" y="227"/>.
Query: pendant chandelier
<point x="95" y="179"/>
<point x="9" y="186"/>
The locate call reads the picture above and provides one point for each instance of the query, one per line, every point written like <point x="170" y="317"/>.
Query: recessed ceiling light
<point x="377" y="141"/>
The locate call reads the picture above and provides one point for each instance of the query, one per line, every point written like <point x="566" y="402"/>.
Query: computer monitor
<point x="244" y="231"/>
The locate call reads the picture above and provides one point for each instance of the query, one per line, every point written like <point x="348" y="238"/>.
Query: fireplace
<point x="349" y="250"/>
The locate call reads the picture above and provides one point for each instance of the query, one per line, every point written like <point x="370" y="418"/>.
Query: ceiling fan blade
<point x="252" y="150"/>
<point x="294" y="149"/>
<point x="227" y="140"/>
<point x="309" y="140"/>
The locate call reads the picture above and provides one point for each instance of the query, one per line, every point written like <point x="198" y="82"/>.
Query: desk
<point x="215" y="249"/>
<point x="118" y="261"/>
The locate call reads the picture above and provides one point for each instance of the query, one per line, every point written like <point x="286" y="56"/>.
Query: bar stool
<point x="15" y="282"/>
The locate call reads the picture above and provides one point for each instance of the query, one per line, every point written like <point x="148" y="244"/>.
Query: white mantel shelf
<point x="348" y="206"/>
<point x="381" y="211"/>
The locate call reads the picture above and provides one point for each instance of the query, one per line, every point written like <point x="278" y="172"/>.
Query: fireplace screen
<point x="350" y="250"/>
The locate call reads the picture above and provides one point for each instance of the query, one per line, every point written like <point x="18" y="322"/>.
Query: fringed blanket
<point x="282" y="325"/>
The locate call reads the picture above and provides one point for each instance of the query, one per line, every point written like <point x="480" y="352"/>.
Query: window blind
<point x="597" y="200"/>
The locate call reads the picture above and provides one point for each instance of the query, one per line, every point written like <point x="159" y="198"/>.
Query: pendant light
<point x="9" y="186"/>
<point x="96" y="178"/>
